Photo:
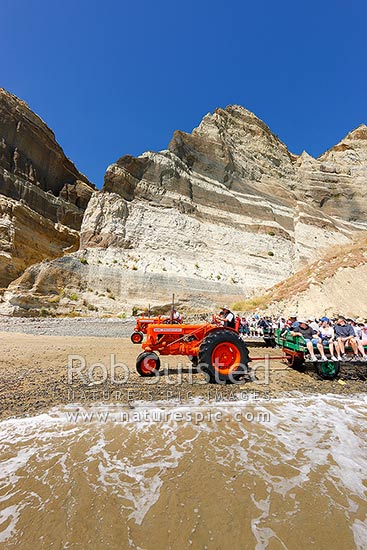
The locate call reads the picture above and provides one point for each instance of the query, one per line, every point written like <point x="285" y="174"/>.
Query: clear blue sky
<point x="115" y="77"/>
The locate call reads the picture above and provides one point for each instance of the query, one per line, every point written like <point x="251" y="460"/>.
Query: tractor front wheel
<point x="148" y="364"/>
<point x="137" y="337"/>
<point x="223" y="355"/>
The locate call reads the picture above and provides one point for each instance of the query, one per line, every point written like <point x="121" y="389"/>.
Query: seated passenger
<point x="360" y="330"/>
<point x="313" y="323"/>
<point x="327" y="335"/>
<point x="265" y="326"/>
<point x="281" y="323"/>
<point x="364" y="333"/>
<point x="345" y="335"/>
<point x="291" y="321"/>
<point x="302" y="328"/>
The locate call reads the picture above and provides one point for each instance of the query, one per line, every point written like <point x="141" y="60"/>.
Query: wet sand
<point x="34" y="376"/>
<point x="295" y="480"/>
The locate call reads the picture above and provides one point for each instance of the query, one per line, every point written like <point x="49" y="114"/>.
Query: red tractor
<point x="142" y="324"/>
<point x="218" y="351"/>
<point x="141" y="328"/>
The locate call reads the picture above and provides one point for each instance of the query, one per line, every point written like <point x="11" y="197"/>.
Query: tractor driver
<point x="226" y="317"/>
<point x="176" y="316"/>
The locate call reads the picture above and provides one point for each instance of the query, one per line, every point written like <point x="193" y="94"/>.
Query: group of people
<point x="335" y="334"/>
<point x="256" y="326"/>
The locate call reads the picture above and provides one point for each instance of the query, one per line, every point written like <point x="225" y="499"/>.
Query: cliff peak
<point x="359" y="133"/>
<point x="354" y="143"/>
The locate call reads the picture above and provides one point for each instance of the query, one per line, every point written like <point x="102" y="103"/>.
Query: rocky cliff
<point x="223" y="212"/>
<point x="42" y="194"/>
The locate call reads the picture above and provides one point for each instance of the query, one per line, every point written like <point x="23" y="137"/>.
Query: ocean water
<point x="283" y="474"/>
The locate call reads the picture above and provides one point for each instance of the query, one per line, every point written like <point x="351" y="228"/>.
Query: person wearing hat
<point x="325" y="319"/>
<point x="310" y="335"/>
<point x="226" y="317"/>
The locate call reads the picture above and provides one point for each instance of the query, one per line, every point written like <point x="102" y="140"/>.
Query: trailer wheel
<point x="148" y="364"/>
<point x="328" y="370"/>
<point x="137" y="337"/>
<point x="223" y="355"/>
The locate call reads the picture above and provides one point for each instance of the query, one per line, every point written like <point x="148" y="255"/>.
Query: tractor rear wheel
<point x="224" y="356"/>
<point x="148" y="364"/>
<point x="137" y="337"/>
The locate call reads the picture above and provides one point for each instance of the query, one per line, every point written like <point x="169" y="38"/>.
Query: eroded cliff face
<point x="42" y="195"/>
<point x="336" y="182"/>
<point x="219" y="215"/>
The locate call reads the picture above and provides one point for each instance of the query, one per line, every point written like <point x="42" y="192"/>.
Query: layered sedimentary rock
<point x="26" y="237"/>
<point x="42" y="194"/>
<point x="220" y="214"/>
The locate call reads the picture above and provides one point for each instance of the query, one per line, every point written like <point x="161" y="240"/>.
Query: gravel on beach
<point x="106" y="327"/>
<point x="62" y="326"/>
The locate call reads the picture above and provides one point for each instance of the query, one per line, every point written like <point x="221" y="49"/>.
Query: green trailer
<point x="294" y="349"/>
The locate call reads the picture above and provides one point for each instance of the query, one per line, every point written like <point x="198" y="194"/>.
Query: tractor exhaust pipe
<point x="172" y="308"/>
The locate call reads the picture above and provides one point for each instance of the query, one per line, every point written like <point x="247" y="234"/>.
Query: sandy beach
<point x="36" y="371"/>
